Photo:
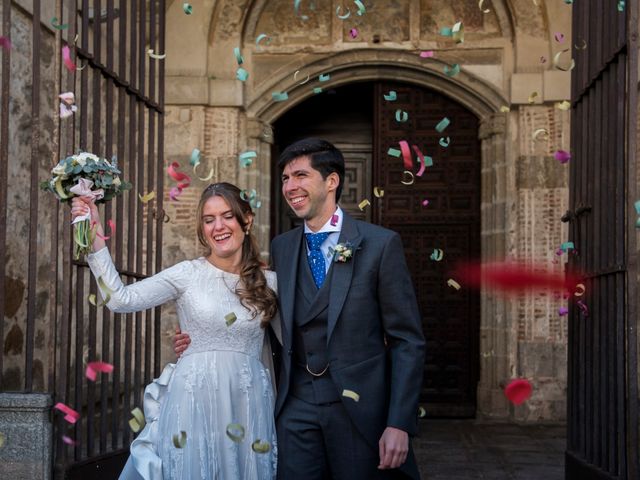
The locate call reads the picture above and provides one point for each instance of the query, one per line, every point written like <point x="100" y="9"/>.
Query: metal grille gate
<point x="120" y="98"/>
<point x="602" y="366"/>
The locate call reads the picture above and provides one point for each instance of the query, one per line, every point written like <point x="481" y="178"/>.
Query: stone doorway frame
<point x="498" y="198"/>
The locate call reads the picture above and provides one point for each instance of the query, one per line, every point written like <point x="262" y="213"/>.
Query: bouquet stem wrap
<point x="82" y="237"/>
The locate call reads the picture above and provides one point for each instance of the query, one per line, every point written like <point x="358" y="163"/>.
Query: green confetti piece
<point x="242" y="74"/>
<point x="317" y="90"/>
<point x="452" y="71"/>
<point x="187" y="8"/>
<point x="246" y="158"/>
<point x="230" y="318"/>
<point x="566" y="246"/>
<point x="401" y="116"/>
<point x="394" y="152"/>
<point x="621" y="6"/>
<point x="343" y="16"/>
<point x="324" y="77"/>
<point x="442" y="125"/>
<point x="239" y="57"/>
<point x="56" y="24"/>
<point x="446" y="32"/>
<point x="361" y="8"/>
<point x="194" y="160"/>
<point x="444" y="141"/>
<point x="279" y="96"/>
<point x="235" y="432"/>
<point x="392" y="96"/>
<point x="261" y="37"/>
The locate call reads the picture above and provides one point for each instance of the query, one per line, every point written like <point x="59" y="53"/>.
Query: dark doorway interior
<point x="358" y="120"/>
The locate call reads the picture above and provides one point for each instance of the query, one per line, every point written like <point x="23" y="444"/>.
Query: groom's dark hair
<point x="325" y="158"/>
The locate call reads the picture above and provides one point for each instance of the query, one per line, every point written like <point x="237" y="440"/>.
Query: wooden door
<point x="450" y="221"/>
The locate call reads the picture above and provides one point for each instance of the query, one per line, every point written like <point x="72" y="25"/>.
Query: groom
<point x="353" y="349"/>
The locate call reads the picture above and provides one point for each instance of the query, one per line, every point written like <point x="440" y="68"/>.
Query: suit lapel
<point x="342" y="273"/>
<point x="287" y="281"/>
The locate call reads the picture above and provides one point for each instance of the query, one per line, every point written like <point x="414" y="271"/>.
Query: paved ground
<point x="466" y="450"/>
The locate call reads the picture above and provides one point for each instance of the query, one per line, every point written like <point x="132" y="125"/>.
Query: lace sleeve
<point x="162" y="287"/>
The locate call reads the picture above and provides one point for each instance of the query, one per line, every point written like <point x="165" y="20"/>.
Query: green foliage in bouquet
<point x="100" y="171"/>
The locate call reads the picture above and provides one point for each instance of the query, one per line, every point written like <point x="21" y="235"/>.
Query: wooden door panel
<point x="451" y="221"/>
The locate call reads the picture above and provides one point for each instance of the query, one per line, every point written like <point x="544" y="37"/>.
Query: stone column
<point x="25" y="422"/>
<point x="496" y="319"/>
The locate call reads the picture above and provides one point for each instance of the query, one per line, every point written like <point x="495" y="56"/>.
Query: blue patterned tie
<point x="316" y="259"/>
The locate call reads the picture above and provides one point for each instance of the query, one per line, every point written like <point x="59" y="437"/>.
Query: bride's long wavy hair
<point x="253" y="290"/>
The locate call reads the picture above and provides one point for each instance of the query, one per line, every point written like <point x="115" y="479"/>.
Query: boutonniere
<point x="342" y="253"/>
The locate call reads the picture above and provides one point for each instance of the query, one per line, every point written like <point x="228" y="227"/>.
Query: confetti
<point x="541" y="134"/>
<point x="392" y="96"/>
<point x="406" y="155"/>
<point x="5" y="43"/>
<point x="242" y="74"/>
<point x="401" y="116"/>
<point x="394" y="152"/>
<point x="180" y="441"/>
<point x="147" y="197"/>
<point x="556" y="61"/>
<point x="238" y="55"/>
<point x="3" y="439"/>
<point x="580" y="289"/>
<point x="437" y="254"/>
<point x="94" y="367"/>
<point x="361" y="9"/>
<point x="324" y="77"/>
<point x="442" y="125"/>
<point x="378" y="192"/>
<point x="343" y="16"/>
<point x="55" y="23"/>
<point x="407" y="174"/>
<point x="156" y="56"/>
<point x="351" y="394"/>
<point x="69" y="441"/>
<point x="452" y="283"/>
<point x="425" y="202"/>
<point x="444" y="141"/>
<point x="563" y="105"/>
<point x="260" y="38"/>
<point x="480" y="4"/>
<point x="67" y="104"/>
<point x="187" y="8"/>
<point x="246" y="158"/>
<point x="279" y="96"/>
<point x="426" y="54"/>
<point x="296" y="9"/>
<point x="230" y="318"/>
<point x="183" y="180"/>
<point x="260" y="447"/>
<point x="334" y="220"/>
<point x="235" y="432"/>
<point x="562" y="156"/>
<point x="532" y="97"/>
<point x="137" y="422"/>
<point x="562" y="311"/>
<point x="581" y="46"/>
<point x="66" y="57"/>
<point x="621" y="5"/>
<point x="452" y="71"/>
<point x="425" y="161"/>
<point x="457" y="32"/>
<point x="353" y="33"/>
<point x="505" y="109"/>
<point x="106" y="294"/>
<point x="567" y="246"/>
<point x="112" y="228"/>
<point x="70" y="415"/>
<point x="583" y="308"/>
<point x="295" y="77"/>
<point x="363" y="204"/>
<point x="421" y="412"/>
<point x="518" y="391"/>
<point x="317" y="90"/>
<point x="559" y="37"/>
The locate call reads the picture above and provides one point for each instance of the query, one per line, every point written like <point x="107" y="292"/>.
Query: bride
<point x="219" y="392"/>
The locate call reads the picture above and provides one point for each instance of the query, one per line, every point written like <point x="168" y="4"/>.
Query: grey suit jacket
<point x="372" y="298"/>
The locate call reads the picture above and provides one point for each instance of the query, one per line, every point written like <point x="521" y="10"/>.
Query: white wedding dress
<point x="219" y="380"/>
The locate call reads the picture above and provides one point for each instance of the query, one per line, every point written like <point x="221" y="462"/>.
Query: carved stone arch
<point x="362" y="65"/>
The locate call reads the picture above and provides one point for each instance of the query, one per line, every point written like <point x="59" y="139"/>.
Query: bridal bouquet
<point x="85" y="174"/>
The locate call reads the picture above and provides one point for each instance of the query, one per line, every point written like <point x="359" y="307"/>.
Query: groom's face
<point x="304" y="189"/>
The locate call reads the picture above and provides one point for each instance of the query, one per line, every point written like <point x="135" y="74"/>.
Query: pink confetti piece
<point x="183" y="180"/>
<point x="69" y="441"/>
<point x="562" y="156"/>
<point x="112" y="229"/>
<point x="518" y="391"/>
<point x="583" y="307"/>
<point x="425" y="202"/>
<point x="353" y="32"/>
<point x="5" y="43"/>
<point x="406" y="155"/>
<point x="334" y="220"/>
<point x="70" y="415"/>
<point x="94" y="367"/>
<point x="426" y="54"/>
<point x="559" y="37"/>
<point x="174" y="193"/>
<point x="423" y="162"/>
<point x="562" y="311"/>
<point x="66" y="57"/>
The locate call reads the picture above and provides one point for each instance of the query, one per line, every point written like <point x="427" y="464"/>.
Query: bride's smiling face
<point x="221" y="228"/>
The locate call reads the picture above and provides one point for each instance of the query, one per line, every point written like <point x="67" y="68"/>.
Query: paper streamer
<point x="425" y="161"/>
<point x="406" y="155"/>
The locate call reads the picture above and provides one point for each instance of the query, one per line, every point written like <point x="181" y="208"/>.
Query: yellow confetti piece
<point x="230" y="318"/>
<point x="563" y="105"/>
<point x="138" y="416"/>
<point x="457" y="32"/>
<point x="148" y="197"/>
<point x="582" y="46"/>
<point x="541" y="134"/>
<point x="93" y="300"/>
<point x="580" y="289"/>
<point x="157" y="56"/>
<point x="378" y="192"/>
<point x="407" y="174"/>
<point x="180" y="441"/>
<point x="134" y="425"/>
<point x="421" y="412"/>
<point x="295" y="78"/>
<point x="351" y="394"/>
<point x="235" y="432"/>
<point x="556" y="61"/>
<point x="3" y="439"/>
<point x="260" y="447"/>
<point x="452" y="283"/>
<point x="505" y="109"/>
<point x="364" y="203"/>
<point x="480" y="5"/>
<point x="532" y="97"/>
